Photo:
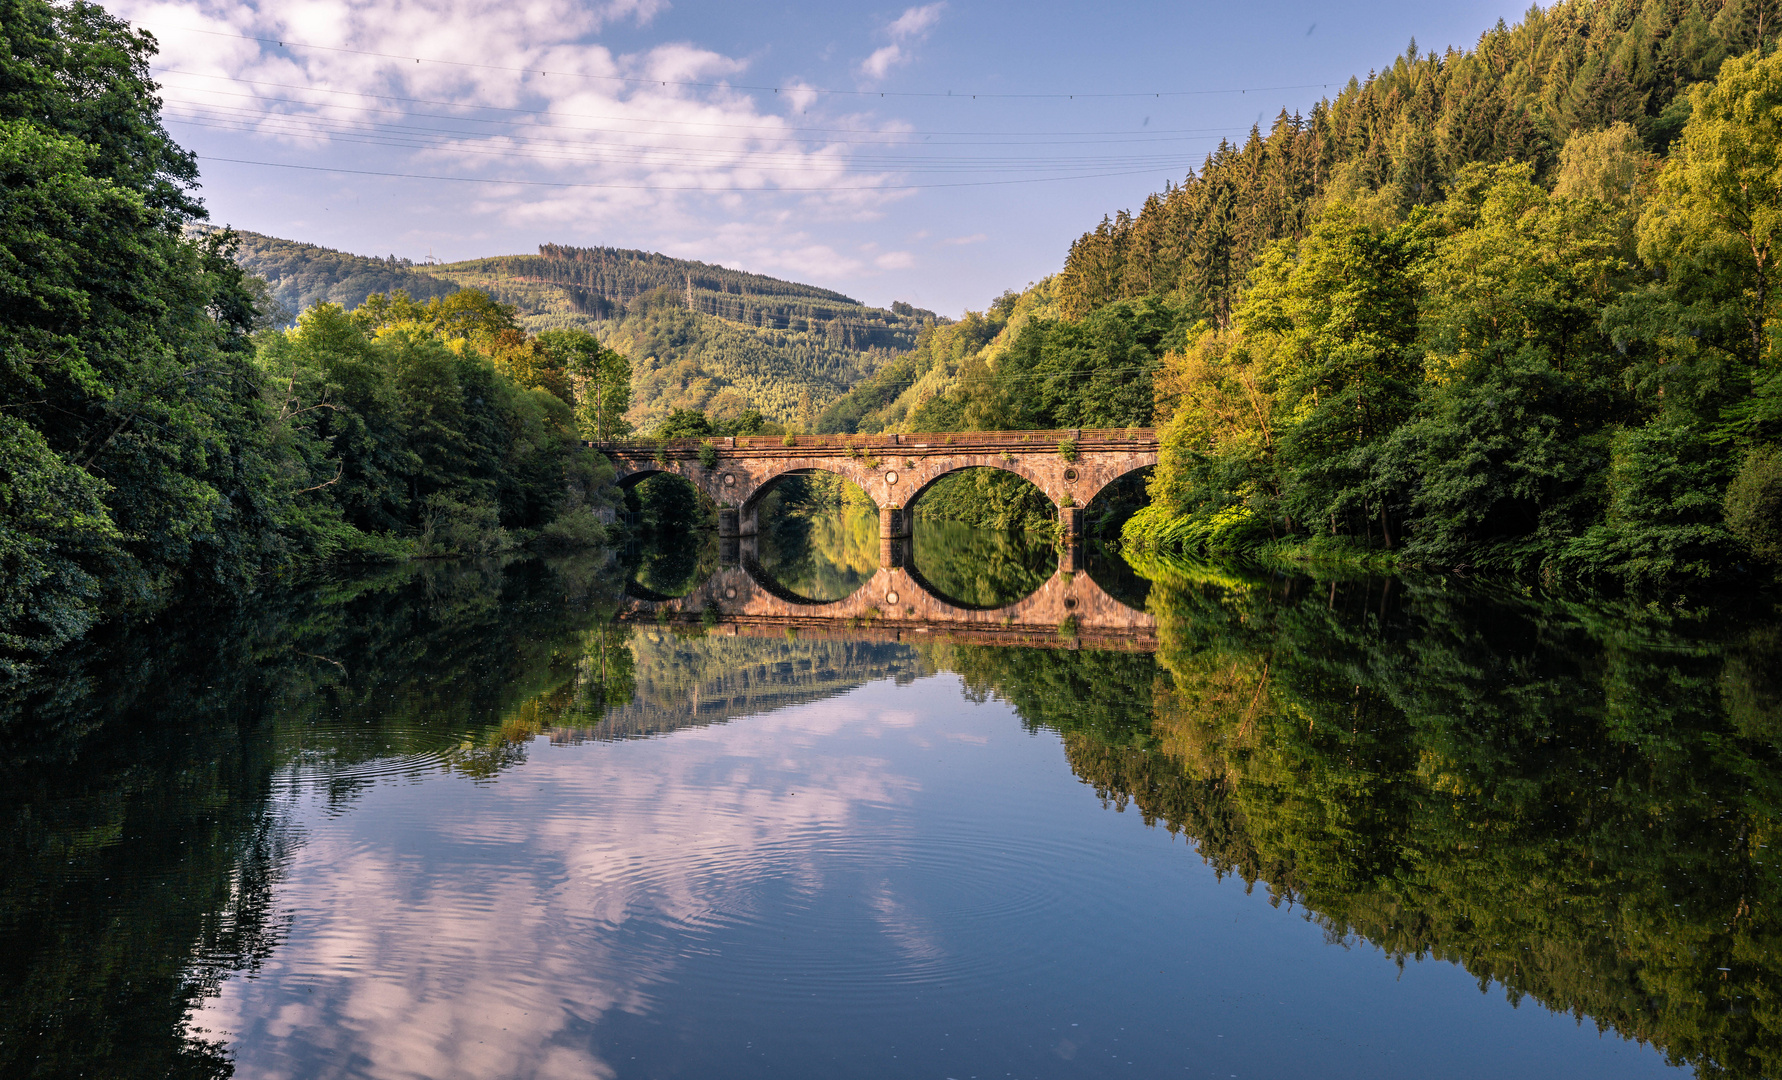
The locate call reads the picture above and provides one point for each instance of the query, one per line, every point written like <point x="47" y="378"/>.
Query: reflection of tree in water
<point x="142" y="837"/>
<point x="1578" y="802"/>
<point x="982" y="568"/>
<point x="819" y="536"/>
<point x="678" y="546"/>
<point x="1575" y="802"/>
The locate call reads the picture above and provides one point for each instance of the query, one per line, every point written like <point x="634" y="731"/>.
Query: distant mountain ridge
<point x="301" y="275"/>
<point x="605" y="282"/>
<point x="699" y="336"/>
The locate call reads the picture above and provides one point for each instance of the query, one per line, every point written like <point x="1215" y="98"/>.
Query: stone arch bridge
<point x="1071" y="466"/>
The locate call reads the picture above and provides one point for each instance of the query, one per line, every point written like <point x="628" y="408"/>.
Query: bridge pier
<point x="1067" y="466"/>
<point x="1070" y="556"/>
<point x="894" y="536"/>
<point x="1070" y="518"/>
<point x="895" y="522"/>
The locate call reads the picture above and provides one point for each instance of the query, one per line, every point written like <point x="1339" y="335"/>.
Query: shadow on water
<point x="675" y="548"/>
<point x="1577" y="802"/>
<point x="1109" y="569"/>
<point x="671" y="566"/>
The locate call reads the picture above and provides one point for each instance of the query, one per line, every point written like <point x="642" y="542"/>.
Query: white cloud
<point x="507" y="91"/>
<point x="961" y="241"/>
<point x="905" y="30"/>
<point x="915" y="22"/>
<point x="895" y="260"/>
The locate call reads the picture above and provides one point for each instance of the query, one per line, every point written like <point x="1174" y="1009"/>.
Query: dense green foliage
<point x="747" y="342"/>
<point x="158" y="438"/>
<point x="300" y="276"/>
<point x="1575" y="803"/>
<point x="740" y="342"/>
<point x="686" y="359"/>
<point x="131" y="457"/>
<point x="1399" y="139"/>
<point x="1094" y="372"/>
<point x="411" y="429"/>
<point x="1016" y="366"/>
<point x="1550" y="358"/>
<point x="986" y="499"/>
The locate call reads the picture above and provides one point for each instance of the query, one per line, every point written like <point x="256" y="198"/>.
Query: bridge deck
<point x="937" y="442"/>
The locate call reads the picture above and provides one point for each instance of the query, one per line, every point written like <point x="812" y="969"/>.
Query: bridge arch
<point x="1068" y="610"/>
<point x="929" y="477"/>
<point x="893" y="470"/>
<point x="1097" y="481"/>
<point x="763" y="482"/>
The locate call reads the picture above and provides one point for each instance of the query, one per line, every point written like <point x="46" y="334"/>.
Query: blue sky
<point x="655" y="123"/>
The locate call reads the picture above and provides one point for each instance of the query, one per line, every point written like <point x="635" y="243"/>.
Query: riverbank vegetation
<point x="1507" y="309"/>
<point x="159" y="438"/>
<point x="1479" y="313"/>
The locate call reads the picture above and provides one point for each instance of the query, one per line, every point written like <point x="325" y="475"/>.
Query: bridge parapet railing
<point x="1085" y="438"/>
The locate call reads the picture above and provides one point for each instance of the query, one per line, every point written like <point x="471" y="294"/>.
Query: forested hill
<point x="700" y="336"/>
<point x="302" y="275"/>
<point x="1396" y="139"/>
<point x="786" y="354"/>
<point x="605" y="282"/>
<point x="1512" y="309"/>
<point x="1515" y="309"/>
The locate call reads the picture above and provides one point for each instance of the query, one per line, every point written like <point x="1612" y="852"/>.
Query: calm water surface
<point x="467" y="821"/>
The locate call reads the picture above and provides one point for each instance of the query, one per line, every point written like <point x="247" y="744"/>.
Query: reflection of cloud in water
<point x="445" y="931"/>
<point x="913" y="937"/>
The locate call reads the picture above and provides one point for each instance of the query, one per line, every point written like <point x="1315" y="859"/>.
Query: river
<point x="531" y="819"/>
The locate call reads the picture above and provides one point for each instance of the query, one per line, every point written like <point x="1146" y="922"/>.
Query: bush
<point x="1753" y="504"/>
<point x="454" y="526"/>
<point x="572" y="529"/>
<point x="708" y="455"/>
<point x="1068" y="449"/>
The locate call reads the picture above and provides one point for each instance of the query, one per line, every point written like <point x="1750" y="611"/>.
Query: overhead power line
<point x="1149" y="135"/>
<point x="508" y="148"/>
<point x="223" y="117"/>
<point x="287" y="43"/>
<point x="689" y="189"/>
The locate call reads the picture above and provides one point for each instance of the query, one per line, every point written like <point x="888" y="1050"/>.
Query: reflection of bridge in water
<point x="1069" y="611"/>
